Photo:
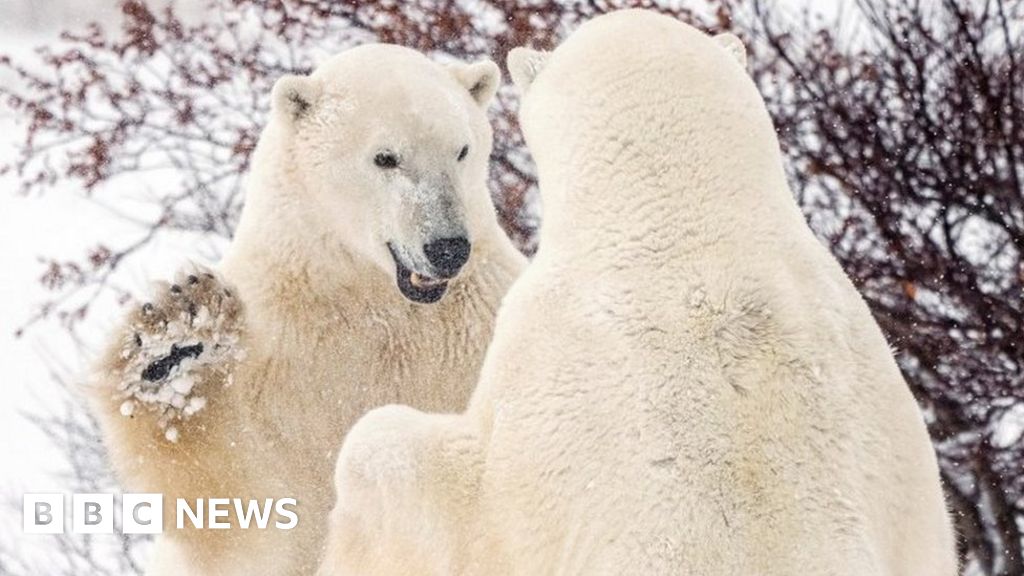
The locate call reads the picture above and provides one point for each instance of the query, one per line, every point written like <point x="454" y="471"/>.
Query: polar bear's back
<point x="717" y="434"/>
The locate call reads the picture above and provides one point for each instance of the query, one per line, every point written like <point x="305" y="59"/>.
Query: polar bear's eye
<point x="463" y="152"/>
<point x="386" y="160"/>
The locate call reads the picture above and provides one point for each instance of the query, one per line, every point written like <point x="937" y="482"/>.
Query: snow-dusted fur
<point x="243" y="381"/>
<point x="682" y="382"/>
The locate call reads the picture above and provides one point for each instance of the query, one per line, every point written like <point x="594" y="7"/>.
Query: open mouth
<point x="415" y="286"/>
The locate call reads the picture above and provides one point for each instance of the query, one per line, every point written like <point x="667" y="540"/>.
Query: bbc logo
<point x="93" y="513"/>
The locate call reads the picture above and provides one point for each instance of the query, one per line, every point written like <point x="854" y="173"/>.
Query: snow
<point x="1009" y="428"/>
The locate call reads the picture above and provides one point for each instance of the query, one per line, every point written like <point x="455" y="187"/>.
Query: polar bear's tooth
<point x="423" y="282"/>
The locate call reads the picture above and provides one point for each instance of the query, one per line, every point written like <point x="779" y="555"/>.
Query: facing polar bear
<point x="682" y="382"/>
<point x="367" y="198"/>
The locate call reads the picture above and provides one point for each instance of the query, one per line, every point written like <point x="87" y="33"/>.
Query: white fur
<point x="326" y="333"/>
<point x="683" y="381"/>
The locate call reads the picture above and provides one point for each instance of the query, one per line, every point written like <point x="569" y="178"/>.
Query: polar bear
<point x="682" y="382"/>
<point x="367" y="269"/>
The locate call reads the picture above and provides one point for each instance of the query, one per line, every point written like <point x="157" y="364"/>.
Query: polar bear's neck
<point x="631" y="186"/>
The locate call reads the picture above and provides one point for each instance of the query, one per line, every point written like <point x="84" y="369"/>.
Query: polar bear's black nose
<point x="448" y="255"/>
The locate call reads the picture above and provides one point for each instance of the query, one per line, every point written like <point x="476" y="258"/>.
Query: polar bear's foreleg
<point x="163" y="372"/>
<point x="407" y="485"/>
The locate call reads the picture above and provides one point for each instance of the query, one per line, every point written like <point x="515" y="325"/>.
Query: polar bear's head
<point x="391" y="150"/>
<point x="647" y="44"/>
<point x="632" y="89"/>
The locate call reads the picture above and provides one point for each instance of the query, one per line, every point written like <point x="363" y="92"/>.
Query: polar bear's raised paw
<point x="186" y="338"/>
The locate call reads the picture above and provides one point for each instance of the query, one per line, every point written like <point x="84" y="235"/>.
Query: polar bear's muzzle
<point x="416" y="286"/>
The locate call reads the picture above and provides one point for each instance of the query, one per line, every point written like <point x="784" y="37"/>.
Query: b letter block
<point x="43" y="513"/>
<point x="92" y="513"/>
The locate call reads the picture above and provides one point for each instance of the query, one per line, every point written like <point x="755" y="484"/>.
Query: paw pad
<point x="159" y="369"/>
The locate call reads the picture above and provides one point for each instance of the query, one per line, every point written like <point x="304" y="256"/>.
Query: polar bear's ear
<point x="295" y="96"/>
<point x="480" y="79"/>
<point x="734" y="46"/>
<point x="524" y="64"/>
